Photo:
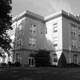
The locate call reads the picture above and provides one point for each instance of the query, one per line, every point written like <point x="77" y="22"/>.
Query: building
<point x="63" y="30"/>
<point x="58" y="33"/>
<point x="29" y="36"/>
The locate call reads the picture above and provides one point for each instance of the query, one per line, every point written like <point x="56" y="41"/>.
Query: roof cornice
<point x="63" y="14"/>
<point x="28" y="14"/>
<point x="48" y="18"/>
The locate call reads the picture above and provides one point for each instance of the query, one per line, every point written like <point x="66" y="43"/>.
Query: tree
<point x="5" y="24"/>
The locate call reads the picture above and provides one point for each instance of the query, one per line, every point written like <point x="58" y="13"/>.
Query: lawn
<point x="46" y="73"/>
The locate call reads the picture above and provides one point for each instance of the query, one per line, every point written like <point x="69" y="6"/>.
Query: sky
<point x="45" y="7"/>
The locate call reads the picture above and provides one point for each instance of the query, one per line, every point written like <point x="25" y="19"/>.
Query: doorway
<point x="31" y="61"/>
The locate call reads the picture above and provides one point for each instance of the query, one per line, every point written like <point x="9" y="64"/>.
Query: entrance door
<point x="31" y="61"/>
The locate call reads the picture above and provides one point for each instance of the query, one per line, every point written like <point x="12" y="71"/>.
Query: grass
<point x="46" y="73"/>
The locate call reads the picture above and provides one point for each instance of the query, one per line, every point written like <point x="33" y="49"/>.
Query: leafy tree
<point x="5" y="24"/>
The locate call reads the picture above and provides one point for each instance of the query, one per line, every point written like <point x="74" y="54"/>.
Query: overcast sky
<point x="45" y="7"/>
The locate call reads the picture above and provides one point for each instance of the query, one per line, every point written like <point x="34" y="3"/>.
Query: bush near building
<point x="42" y="58"/>
<point x="62" y="61"/>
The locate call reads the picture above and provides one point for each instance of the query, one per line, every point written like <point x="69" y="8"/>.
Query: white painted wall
<point x="55" y="36"/>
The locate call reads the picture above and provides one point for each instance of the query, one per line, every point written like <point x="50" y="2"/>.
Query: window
<point x="73" y="31"/>
<point x="55" y="27"/>
<point x="20" y="24"/>
<point x="73" y="25"/>
<point x="79" y="29"/>
<point x="79" y="41"/>
<point x="55" y="30"/>
<point x="33" y="25"/>
<point x="78" y="45"/>
<point x="79" y="37"/>
<point x="55" y="59"/>
<point x="32" y="42"/>
<point x="73" y="35"/>
<point x="31" y="61"/>
<point x="55" y="45"/>
<point x="74" y="44"/>
<point x="55" y="24"/>
<point x="19" y="43"/>
<point x="33" y="29"/>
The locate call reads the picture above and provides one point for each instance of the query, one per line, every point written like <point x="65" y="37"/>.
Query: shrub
<point x="42" y="58"/>
<point x="3" y="64"/>
<point x="17" y="64"/>
<point x="62" y="61"/>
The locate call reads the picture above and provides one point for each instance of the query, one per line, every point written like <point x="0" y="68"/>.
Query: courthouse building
<point x="58" y="33"/>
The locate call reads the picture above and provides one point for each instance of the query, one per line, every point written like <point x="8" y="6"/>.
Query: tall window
<point x="19" y="30"/>
<point x="73" y="31"/>
<point x="78" y="29"/>
<point x="19" y="43"/>
<point x="55" y="44"/>
<point x="73" y="35"/>
<point x="74" y="43"/>
<point x="79" y="37"/>
<point x="20" y="23"/>
<point x="79" y="40"/>
<point x="33" y="25"/>
<point x="32" y="42"/>
<point x="78" y="45"/>
<point x="20" y="26"/>
<point x="55" y="27"/>
<point x="31" y="61"/>
<point x="33" y="29"/>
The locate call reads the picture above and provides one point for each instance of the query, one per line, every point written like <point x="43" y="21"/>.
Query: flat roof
<point x="47" y="18"/>
<point x="64" y="14"/>
<point x="28" y="14"/>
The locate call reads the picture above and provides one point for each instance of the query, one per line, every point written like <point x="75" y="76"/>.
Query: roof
<point x="47" y="18"/>
<point x="28" y="14"/>
<point x="65" y="14"/>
